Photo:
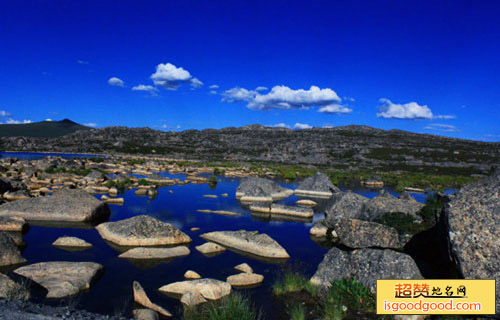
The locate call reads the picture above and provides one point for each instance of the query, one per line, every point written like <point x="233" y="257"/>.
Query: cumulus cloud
<point x="116" y="82"/>
<point x="48" y="120"/>
<point x="301" y="126"/>
<point x="91" y="124"/>
<point x="335" y="109"/>
<point x="238" y="94"/>
<point x="281" y="125"/>
<point x="441" y="127"/>
<point x="214" y="86"/>
<point x="407" y="111"/>
<point x="4" y="113"/>
<point x="152" y="90"/>
<point x="260" y="88"/>
<point x="12" y="121"/>
<point x="213" y="92"/>
<point x="170" y="77"/>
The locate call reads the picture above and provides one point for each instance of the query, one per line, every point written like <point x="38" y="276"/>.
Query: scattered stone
<point x="306" y="203"/>
<point x="71" y="242"/>
<point x="244" y="267"/>
<point x="319" y="186"/>
<point x="14" y="224"/>
<point x="108" y="200"/>
<point x="191" y="275"/>
<point x="291" y="211"/>
<point x="62" y="279"/>
<point x="113" y="192"/>
<point x="364" y="234"/>
<point x="248" y="241"/>
<point x="224" y="195"/>
<point x="145" y="314"/>
<point x="16" y="195"/>
<point x="374" y="182"/>
<point x="254" y="189"/>
<point x="221" y="212"/>
<point x="194" y="229"/>
<point x="141" y="298"/>
<point x="210" y="248"/>
<point x="9" y="253"/>
<point x="245" y="279"/>
<point x="210" y="289"/>
<point x="62" y="205"/>
<point x="319" y="229"/>
<point x="155" y="253"/>
<point x="192" y="298"/>
<point x="366" y="266"/>
<point x="212" y="196"/>
<point x="141" y="192"/>
<point x="142" y="230"/>
<point x="260" y="207"/>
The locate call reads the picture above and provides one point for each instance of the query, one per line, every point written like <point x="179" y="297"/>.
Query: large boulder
<point x="9" y="253"/>
<point x="9" y="289"/>
<point x="254" y="189"/>
<point x="385" y="202"/>
<point x="209" y="289"/>
<point x="62" y="279"/>
<point x="470" y="221"/>
<point x="366" y="266"/>
<point x="317" y="186"/>
<point x="346" y="205"/>
<point x="356" y="233"/>
<point x="142" y="230"/>
<point x="62" y="205"/>
<point x="253" y="242"/>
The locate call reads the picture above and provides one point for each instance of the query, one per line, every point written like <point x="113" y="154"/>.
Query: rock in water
<point x="62" y="279"/>
<point x="245" y="279"/>
<point x="62" y="205"/>
<point x="244" y="267"/>
<point x="142" y="298"/>
<point x="364" y="234"/>
<point x="366" y="266"/>
<point x="317" y="186"/>
<point x="385" y="202"/>
<point x="319" y="229"/>
<point x="248" y="241"/>
<point x="9" y="253"/>
<point x="254" y="189"/>
<point x="210" y="289"/>
<point x="210" y="248"/>
<point x="291" y="211"/>
<point x="471" y="221"/>
<point x="155" y="253"/>
<point x="346" y="205"/>
<point x="14" y="224"/>
<point x="191" y="298"/>
<point x="191" y="275"/>
<point x="71" y="242"/>
<point x="142" y="230"/>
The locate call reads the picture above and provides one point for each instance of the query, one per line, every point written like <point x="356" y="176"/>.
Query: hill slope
<point x="43" y="129"/>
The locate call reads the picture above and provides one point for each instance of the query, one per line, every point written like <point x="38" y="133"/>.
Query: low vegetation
<point x="231" y="307"/>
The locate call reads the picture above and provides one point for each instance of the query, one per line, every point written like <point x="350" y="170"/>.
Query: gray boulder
<point x="385" y="202"/>
<point x="356" y="233"/>
<point x="366" y="266"/>
<point x="319" y="185"/>
<point x="261" y="190"/>
<point x="142" y="230"/>
<point x="63" y="205"/>
<point x="347" y="205"/>
<point x="9" y="253"/>
<point x="473" y="232"/>
<point x="9" y="289"/>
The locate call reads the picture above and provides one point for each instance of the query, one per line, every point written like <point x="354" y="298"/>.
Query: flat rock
<point x="245" y="279"/>
<point x="62" y="279"/>
<point x="366" y="266"/>
<point x="9" y="253"/>
<point x="145" y="314"/>
<point x="210" y="248"/>
<point x="306" y="203"/>
<point x="142" y="298"/>
<point x="318" y="185"/>
<point x="192" y="298"/>
<point x="155" y="253"/>
<point x="191" y="275"/>
<point x="258" y="189"/>
<point x="356" y="233"/>
<point x="472" y="230"/>
<point x="62" y="205"/>
<point x="291" y="211"/>
<point x="244" y="267"/>
<point x="209" y="289"/>
<point x="14" y="224"/>
<point x="259" y="244"/>
<point x="71" y="242"/>
<point x="142" y="230"/>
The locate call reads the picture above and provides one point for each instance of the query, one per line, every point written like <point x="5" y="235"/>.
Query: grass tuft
<point x="231" y="307"/>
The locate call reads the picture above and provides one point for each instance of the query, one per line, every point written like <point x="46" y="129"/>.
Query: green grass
<point x="212" y="180"/>
<point x="349" y="296"/>
<point x="219" y="172"/>
<point x="144" y="182"/>
<point x="297" y="313"/>
<point x="292" y="281"/>
<point x="231" y="307"/>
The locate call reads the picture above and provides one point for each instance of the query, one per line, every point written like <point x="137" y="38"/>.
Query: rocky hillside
<point x="47" y="129"/>
<point x="339" y="147"/>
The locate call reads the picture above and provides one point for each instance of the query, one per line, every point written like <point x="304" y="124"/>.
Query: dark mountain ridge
<point x="45" y="129"/>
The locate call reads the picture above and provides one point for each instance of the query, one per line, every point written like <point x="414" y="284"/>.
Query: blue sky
<point x="422" y="66"/>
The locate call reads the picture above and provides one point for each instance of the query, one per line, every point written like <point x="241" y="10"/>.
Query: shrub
<point x="231" y="307"/>
<point x="349" y="296"/>
<point x="212" y="180"/>
<point x="143" y="182"/>
<point x="219" y="172"/>
<point x="293" y="282"/>
<point x="297" y="313"/>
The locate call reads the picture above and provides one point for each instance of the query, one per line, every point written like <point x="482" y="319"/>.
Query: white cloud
<point x="12" y="121"/>
<point x="281" y="125"/>
<point x="117" y="82"/>
<point x="152" y="90"/>
<point x="91" y="124"/>
<point x="178" y="127"/>
<point x="260" y="88"/>
<point x="335" y="109"/>
<point x="170" y="77"/>
<point x="301" y="126"/>
<point x="441" y="127"/>
<point x="214" y="86"/>
<point x="213" y="92"/>
<point x="82" y="62"/>
<point x="48" y="119"/>
<point x="4" y="113"/>
<point x="238" y="94"/>
<point x="408" y="111"/>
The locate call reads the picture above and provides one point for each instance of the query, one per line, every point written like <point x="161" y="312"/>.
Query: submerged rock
<point x="62" y="279"/>
<point x="62" y="205"/>
<point x="364" y="234"/>
<point x="9" y="253"/>
<point x="155" y="253"/>
<point x="142" y="298"/>
<point x="254" y="189"/>
<point x="142" y="230"/>
<point x="71" y="242"/>
<point x="317" y="186"/>
<point x="248" y="241"/>
<point x="366" y="266"/>
<point x="210" y="289"/>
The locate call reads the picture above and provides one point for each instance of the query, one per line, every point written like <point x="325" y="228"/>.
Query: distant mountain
<point x="43" y="129"/>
